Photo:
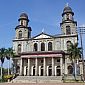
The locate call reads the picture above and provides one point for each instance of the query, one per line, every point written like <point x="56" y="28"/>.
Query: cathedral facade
<point x="45" y="54"/>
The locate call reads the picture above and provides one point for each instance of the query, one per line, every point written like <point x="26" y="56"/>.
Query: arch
<point x="22" y="22"/>
<point x="68" y="30"/>
<point x="50" y="46"/>
<point x="35" y="47"/>
<point x="42" y="47"/>
<point x="67" y="16"/>
<point x="50" y="71"/>
<point x="19" y="48"/>
<point x="68" y="44"/>
<point x="20" y="34"/>
<point x="70" y="69"/>
<point x="33" y="70"/>
<point x="78" y="69"/>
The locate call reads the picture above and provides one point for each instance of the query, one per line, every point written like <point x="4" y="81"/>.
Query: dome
<point x="67" y="9"/>
<point x="24" y="15"/>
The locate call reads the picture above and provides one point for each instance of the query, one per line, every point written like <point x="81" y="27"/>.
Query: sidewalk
<point x="42" y="83"/>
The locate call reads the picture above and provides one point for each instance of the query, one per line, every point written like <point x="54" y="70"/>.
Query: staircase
<point x="72" y="78"/>
<point x="37" y="79"/>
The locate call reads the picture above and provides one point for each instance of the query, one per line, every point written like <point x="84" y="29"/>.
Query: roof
<point x="24" y="15"/>
<point x="67" y="9"/>
<point x="42" y="33"/>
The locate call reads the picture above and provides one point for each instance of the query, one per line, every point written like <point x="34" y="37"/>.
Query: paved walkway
<point x="42" y="84"/>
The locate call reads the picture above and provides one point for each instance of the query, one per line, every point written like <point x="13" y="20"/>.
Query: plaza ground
<point x="42" y="83"/>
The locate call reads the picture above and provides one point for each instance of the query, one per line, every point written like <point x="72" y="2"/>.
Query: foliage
<point x="9" y="53"/>
<point x="74" y="56"/>
<point x="2" y="54"/>
<point x="74" y="51"/>
<point x="8" y="76"/>
<point x="5" y="53"/>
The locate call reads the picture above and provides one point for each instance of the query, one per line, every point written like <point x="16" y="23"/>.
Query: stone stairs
<point x="72" y="78"/>
<point x="37" y="79"/>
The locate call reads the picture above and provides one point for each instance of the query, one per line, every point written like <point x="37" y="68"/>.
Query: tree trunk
<point x="75" y="69"/>
<point x="1" y="69"/>
<point x="9" y="67"/>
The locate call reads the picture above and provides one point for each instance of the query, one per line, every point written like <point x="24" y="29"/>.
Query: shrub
<point x="8" y="77"/>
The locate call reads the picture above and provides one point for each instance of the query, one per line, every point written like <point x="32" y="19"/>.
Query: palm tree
<point x="74" y="55"/>
<point x="2" y="57"/>
<point x="9" y="54"/>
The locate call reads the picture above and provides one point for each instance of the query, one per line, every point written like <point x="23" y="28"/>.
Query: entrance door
<point x="41" y="72"/>
<point x="34" y="71"/>
<point x="58" y="72"/>
<point x="50" y="72"/>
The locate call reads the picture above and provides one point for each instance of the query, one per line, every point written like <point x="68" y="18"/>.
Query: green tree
<point x="9" y="54"/>
<point x="74" y="55"/>
<point x="2" y="57"/>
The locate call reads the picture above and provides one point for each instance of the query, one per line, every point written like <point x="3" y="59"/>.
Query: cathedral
<point x="45" y="54"/>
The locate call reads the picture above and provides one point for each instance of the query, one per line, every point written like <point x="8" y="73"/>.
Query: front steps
<point x="72" y="78"/>
<point x="37" y="79"/>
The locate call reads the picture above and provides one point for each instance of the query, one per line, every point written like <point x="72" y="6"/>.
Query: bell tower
<point x="68" y="25"/>
<point x="22" y="30"/>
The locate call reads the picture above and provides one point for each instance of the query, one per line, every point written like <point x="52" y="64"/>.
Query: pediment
<point x="42" y="35"/>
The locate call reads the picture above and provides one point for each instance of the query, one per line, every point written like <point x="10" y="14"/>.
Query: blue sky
<point x="42" y="14"/>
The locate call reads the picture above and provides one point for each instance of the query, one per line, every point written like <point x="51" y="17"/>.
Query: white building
<point x="44" y="54"/>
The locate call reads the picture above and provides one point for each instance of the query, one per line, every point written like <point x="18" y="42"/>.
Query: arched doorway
<point x="34" y="71"/>
<point x="57" y="71"/>
<point x="41" y="70"/>
<point x="50" y="46"/>
<point x="50" y="71"/>
<point x="35" y="47"/>
<point x="70" y="70"/>
<point x="42" y="46"/>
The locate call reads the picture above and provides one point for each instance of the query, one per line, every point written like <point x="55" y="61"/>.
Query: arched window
<point x="70" y="69"/>
<point x="19" y="48"/>
<point x="67" y="16"/>
<point x="35" y="46"/>
<point x="22" y="22"/>
<point x="68" y="30"/>
<point x="78" y="70"/>
<point x="50" y="46"/>
<point x="68" y="44"/>
<point x="42" y="47"/>
<point x="20" y="34"/>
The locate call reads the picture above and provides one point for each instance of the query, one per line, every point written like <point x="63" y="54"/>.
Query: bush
<point x="6" y="77"/>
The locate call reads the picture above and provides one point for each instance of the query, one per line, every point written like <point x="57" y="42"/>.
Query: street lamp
<point x="82" y="31"/>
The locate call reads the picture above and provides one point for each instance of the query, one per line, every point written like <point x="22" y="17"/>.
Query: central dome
<point x="24" y="15"/>
<point x="67" y="9"/>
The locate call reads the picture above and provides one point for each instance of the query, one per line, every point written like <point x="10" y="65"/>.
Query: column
<point x="47" y="71"/>
<point x="61" y="65"/>
<point x="52" y="66"/>
<point x="39" y="70"/>
<point x="44" y="65"/>
<point x="28" y="67"/>
<point x="32" y="70"/>
<point x="65" y="66"/>
<point x="55" y="71"/>
<point x="81" y="68"/>
<point x="24" y="70"/>
<point x="21" y="66"/>
<point x="36" y="66"/>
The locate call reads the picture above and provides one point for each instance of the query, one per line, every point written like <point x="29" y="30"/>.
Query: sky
<point x="43" y="14"/>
